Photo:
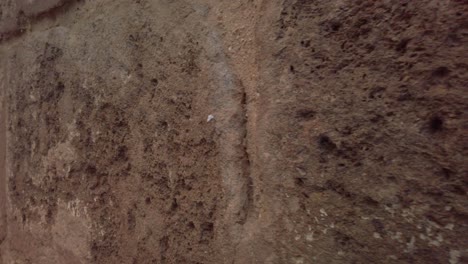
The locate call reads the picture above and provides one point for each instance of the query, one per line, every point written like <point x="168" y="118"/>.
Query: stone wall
<point x="250" y="131"/>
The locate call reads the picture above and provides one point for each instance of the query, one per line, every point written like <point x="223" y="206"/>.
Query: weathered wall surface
<point x="285" y="131"/>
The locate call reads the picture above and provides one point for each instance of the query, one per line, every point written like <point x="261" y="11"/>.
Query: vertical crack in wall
<point x="248" y="204"/>
<point x="229" y="104"/>
<point x="231" y="44"/>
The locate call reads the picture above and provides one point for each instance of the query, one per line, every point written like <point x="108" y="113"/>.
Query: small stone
<point x="449" y="226"/>
<point x="210" y="117"/>
<point x="301" y="171"/>
<point x="454" y="256"/>
<point x="322" y="212"/>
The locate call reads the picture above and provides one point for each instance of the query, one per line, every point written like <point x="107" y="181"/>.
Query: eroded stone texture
<point x="16" y="16"/>
<point x="285" y="131"/>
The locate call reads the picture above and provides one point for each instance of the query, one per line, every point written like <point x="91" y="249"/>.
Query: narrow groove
<point x="246" y="170"/>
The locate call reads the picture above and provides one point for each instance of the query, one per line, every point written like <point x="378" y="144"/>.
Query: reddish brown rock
<point x="206" y="131"/>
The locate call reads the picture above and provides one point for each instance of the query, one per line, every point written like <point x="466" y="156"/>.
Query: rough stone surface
<point x="249" y="131"/>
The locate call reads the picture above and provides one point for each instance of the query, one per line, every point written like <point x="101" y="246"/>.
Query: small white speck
<point x="377" y="235"/>
<point x="310" y="237"/>
<point x="322" y="212"/>
<point x="210" y="117"/>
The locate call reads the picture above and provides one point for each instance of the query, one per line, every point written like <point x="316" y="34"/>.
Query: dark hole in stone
<point x="122" y="153"/>
<point x="440" y="72"/>
<point x="436" y="124"/>
<point x="207" y="226"/>
<point x="299" y="181"/>
<point x="154" y="82"/>
<point x="326" y="143"/>
<point x="335" y="25"/>
<point x="174" y="205"/>
<point x="305" y="113"/>
<point x="191" y="225"/>
<point x="392" y="178"/>
<point x="342" y="239"/>
<point x="305" y="43"/>
<point x="49" y="215"/>
<point x="91" y="169"/>
<point x="447" y="173"/>
<point x="60" y="86"/>
<point x="401" y="46"/>
<point x="376" y="118"/>
<point x="148" y="200"/>
<point x="291" y="68"/>
<point x="163" y="124"/>
<point x="370" y="201"/>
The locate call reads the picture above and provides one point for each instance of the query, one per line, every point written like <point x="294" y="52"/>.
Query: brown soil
<point x="250" y="131"/>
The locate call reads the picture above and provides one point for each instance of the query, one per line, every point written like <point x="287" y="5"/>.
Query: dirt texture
<point x="221" y="131"/>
